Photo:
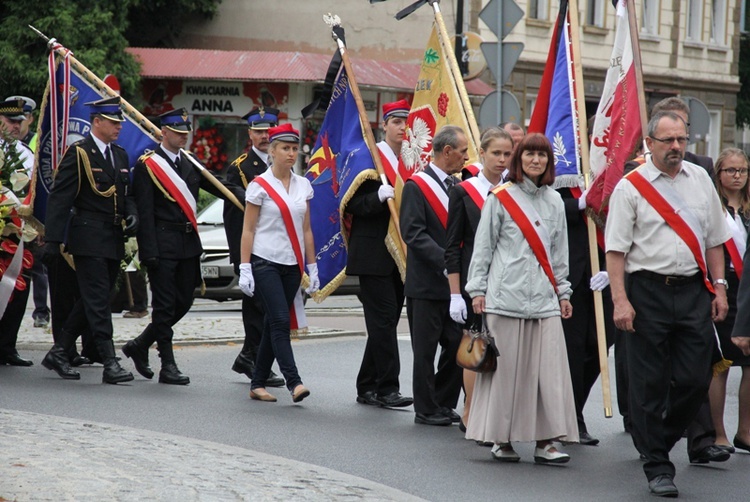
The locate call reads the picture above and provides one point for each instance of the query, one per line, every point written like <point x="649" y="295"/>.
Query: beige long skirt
<point x="530" y="396"/>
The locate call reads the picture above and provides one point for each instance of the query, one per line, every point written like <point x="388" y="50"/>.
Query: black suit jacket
<point x="463" y="220"/>
<point x="425" y="238"/>
<point x="156" y="240"/>
<point x="368" y="254"/>
<point x="706" y="163"/>
<point x="95" y="221"/>
<point x="250" y="166"/>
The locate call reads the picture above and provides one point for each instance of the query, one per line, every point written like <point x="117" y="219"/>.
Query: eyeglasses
<point x="682" y="140"/>
<point x="731" y="171"/>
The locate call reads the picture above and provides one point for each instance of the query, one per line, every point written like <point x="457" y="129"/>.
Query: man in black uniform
<point x="166" y="186"/>
<point x="241" y="172"/>
<point x="91" y="200"/>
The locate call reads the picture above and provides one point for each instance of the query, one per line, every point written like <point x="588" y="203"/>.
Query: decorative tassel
<point x="722" y="366"/>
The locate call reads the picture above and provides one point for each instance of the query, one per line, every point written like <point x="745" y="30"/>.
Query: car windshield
<point x="213" y="214"/>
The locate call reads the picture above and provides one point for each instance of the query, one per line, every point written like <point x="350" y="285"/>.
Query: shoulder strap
<point x="174" y="185"/>
<point x="286" y="215"/>
<point x="435" y="196"/>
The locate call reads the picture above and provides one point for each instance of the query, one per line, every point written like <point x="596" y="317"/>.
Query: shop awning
<point x="199" y="64"/>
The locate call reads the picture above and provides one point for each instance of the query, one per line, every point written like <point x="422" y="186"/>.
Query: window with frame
<point x="694" y="20"/>
<point x="718" y="22"/>
<point x="539" y="9"/>
<point x="595" y="13"/>
<point x="650" y="17"/>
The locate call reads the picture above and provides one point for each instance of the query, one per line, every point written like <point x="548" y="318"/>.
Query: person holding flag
<point x="276" y="232"/>
<point x="166" y="186"/>
<point x="381" y="289"/>
<point x="91" y="209"/>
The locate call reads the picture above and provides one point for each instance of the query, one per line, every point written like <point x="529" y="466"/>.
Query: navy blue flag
<point x="132" y="137"/>
<point x="340" y="162"/>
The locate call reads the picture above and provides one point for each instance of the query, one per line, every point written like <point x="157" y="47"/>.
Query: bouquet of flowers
<point x="208" y="146"/>
<point x="14" y="184"/>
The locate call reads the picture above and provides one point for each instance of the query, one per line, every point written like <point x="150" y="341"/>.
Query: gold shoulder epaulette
<point x="146" y="155"/>
<point x="239" y="160"/>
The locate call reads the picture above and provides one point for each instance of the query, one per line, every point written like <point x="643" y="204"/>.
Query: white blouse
<point x="271" y="238"/>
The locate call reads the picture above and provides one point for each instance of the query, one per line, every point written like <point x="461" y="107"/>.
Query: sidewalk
<point x="48" y="458"/>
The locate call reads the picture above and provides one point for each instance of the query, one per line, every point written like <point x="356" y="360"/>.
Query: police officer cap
<point x="176" y="120"/>
<point x="29" y="105"/>
<point x="261" y="118"/>
<point x="109" y="108"/>
<point x="13" y="109"/>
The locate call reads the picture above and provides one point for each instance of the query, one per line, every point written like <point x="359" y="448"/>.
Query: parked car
<point x="218" y="273"/>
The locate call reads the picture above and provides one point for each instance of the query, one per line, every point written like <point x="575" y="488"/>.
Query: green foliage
<point x="743" y="97"/>
<point x="97" y="31"/>
<point x="204" y="199"/>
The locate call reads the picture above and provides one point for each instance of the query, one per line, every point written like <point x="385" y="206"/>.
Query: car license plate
<point x="210" y="272"/>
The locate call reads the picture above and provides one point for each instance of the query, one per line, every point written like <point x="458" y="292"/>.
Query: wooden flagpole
<point x="369" y="137"/>
<point x="601" y="335"/>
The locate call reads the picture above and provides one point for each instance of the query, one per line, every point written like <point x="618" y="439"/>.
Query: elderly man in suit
<point x="425" y="198"/>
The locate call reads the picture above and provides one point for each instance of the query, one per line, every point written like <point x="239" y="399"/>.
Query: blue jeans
<point x="275" y="285"/>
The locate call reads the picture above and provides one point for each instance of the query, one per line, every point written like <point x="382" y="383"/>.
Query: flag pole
<point x="458" y="78"/>
<point x="333" y="21"/>
<point x="212" y="179"/>
<point x="601" y="334"/>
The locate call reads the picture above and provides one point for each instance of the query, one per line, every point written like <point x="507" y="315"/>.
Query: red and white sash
<point x="174" y="185"/>
<point x="476" y="189"/>
<point x="735" y="245"/>
<point x="531" y="226"/>
<point x="473" y="169"/>
<point x="436" y="196"/>
<point x="676" y="213"/>
<point x="390" y="162"/>
<point x="297" y="318"/>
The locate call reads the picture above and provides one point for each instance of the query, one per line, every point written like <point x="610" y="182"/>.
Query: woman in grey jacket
<point x="517" y="278"/>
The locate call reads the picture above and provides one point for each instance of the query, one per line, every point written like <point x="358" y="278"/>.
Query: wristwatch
<point x="723" y="282"/>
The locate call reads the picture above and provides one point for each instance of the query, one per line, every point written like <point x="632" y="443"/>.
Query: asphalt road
<point x="329" y="429"/>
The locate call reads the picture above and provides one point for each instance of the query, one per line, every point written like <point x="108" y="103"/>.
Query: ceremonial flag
<point x="617" y="127"/>
<point x="555" y="114"/>
<point x="436" y="103"/>
<point x="63" y="112"/>
<point x="340" y="162"/>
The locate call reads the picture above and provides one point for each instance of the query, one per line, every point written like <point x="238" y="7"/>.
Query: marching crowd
<point x="495" y="246"/>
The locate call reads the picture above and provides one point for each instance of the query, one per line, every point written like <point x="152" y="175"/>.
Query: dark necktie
<point x="177" y="162"/>
<point x="108" y="156"/>
<point x="450" y="182"/>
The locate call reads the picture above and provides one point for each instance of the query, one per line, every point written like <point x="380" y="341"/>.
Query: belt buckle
<point x="188" y="227"/>
<point x="671" y="278"/>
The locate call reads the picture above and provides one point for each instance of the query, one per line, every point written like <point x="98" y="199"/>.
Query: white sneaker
<point x="545" y="456"/>
<point x="504" y="455"/>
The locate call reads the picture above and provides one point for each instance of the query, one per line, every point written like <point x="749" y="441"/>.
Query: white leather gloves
<point x="312" y="273"/>
<point x="458" y="308"/>
<point x="582" y="201"/>
<point x="599" y="281"/>
<point x="247" y="283"/>
<point x="386" y="192"/>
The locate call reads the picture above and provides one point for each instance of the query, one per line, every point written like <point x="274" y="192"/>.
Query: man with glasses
<point x="666" y="230"/>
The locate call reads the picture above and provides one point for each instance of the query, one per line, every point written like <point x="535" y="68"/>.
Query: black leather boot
<point x="137" y="350"/>
<point x="170" y="373"/>
<point x="57" y="360"/>
<point x="245" y="364"/>
<point x="113" y="372"/>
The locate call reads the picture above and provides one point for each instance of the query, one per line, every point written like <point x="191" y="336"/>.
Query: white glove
<point x="582" y="202"/>
<point x="312" y="273"/>
<point x="247" y="283"/>
<point x="386" y="192"/>
<point x="599" y="281"/>
<point x="458" y="309"/>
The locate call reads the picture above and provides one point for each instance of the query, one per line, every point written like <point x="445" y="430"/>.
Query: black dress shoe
<point x="139" y="356"/>
<point x="274" y="380"/>
<point x="57" y="360"/>
<point x="462" y="426"/>
<point x="454" y="417"/>
<point x="587" y="439"/>
<point x="663" y="486"/>
<point x="244" y="365"/>
<point x="170" y="374"/>
<point x="432" y="419"/>
<point x="394" y="400"/>
<point x="738" y="443"/>
<point x="368" y="397"/>
<point x="15" y="360"/>
<point x="79" y="361"/>
<point x="710" y="453"/>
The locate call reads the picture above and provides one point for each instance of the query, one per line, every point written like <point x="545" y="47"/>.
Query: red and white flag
<point x="617" y="127"/>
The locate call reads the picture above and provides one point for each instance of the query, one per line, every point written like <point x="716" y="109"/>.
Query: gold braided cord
<point x="159" y="185"/>
<point x="83" y="157"/>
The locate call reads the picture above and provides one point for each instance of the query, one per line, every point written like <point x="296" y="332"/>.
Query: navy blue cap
<point x="176" y="120"/>
<point x="109" y="108"/>
<point x="261" y="118"/>
<point x="13" y="109"/>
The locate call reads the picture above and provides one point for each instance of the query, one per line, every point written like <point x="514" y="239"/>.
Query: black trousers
<point x="252" y="322"/>
<point x="582" y="345"/>
<point x="669" y="364"/>
<point x="172" y="285"/>
<point x="11" y="321"/>
<point x="96" y="279"/>
<point x="382" y="299"/>
<point x="430" y="325"/>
